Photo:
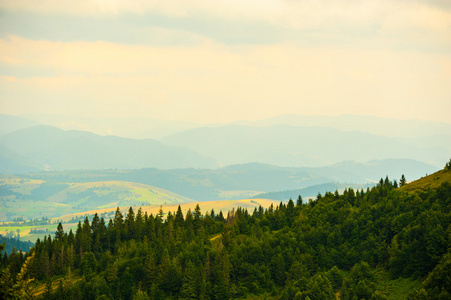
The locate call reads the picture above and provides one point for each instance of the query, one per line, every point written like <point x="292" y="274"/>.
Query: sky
<point x="210" y="61"/>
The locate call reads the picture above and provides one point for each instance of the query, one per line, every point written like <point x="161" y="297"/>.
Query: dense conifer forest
<point x="13" y="243"/>
<point x="334" y="247"/>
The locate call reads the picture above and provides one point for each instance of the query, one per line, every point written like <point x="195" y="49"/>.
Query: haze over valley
<point x="278" y="159"/>
<point x="219" y="150"/>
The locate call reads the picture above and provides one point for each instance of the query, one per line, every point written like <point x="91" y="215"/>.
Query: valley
<point x="232" y="200"/>
<point x="217" y="150"/>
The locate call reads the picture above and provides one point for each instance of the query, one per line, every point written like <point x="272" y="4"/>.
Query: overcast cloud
<point x="217" y="61"/>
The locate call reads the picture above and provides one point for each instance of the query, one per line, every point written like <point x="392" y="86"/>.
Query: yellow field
<point x="205" y="206"/>
<point x="25" y="230"/>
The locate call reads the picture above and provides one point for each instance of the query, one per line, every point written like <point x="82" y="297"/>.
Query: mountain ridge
<point x="55" y="149"/>
<point x="287" y="145"/>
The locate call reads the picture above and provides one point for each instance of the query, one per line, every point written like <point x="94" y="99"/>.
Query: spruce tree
<point x="197" y="222"/>
<point x="130" y="224"/>
<point x="139" y="225"/>
<point x="299" y="201"/>
<point x="402" y="181"/>
<point x="179" y="220"/>
<point x="189" y="286"/>
<point x="59" y="232"/>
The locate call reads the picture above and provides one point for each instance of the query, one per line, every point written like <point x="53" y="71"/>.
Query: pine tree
<point x="448" y="165"/>
<point x="88" y="263"/>
<point x="22" y="287"/>
<point x="197" y="222"/>
<point x="278" y="269"/>
<point x="139" y="225"/>
<point x="130" y="224"/>
<point x="179" y="220"/>
<point x="61" y="258"/>
<point x="160" y="214"/>
<point x="150" y="269"/>
<point x="402" y="181"/>
<point x="222" y="268"/>
<point x="86" y="241"/>
<point x="189" y="286"/>
<point x="387" y="181"/>
<point x="95" y="225"/>
<point x="59" y="234"/>
<point x="299" y="201"/>
<point x="289" y="213"/>
<point x="189" y="232"/>
<point x="221" y="217"/>
<point x="118" y="220"/>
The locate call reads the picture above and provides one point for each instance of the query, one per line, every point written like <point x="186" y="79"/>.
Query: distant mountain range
<point x="310" y="191"/>
<point x="12" y="123"/>
<point x="49" y="148"/>
<point x="297" y="141"/>
<point x="142" y="128"/>
<point x="286" y="145"/>
<point x="371" y="124"/>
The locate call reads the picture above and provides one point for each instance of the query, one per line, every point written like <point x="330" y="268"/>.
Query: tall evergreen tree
<point x="139" y="225"/>
<point x="402" y="181"/>
<point x="299" y="201"/>
<point x="86" y="239"/>
<point x="59" y="234"/>
<point x="190" y="283"/>
<point x="197" y="222"/>
<point x="118" y="225"/>
<point x="129" y="231"/>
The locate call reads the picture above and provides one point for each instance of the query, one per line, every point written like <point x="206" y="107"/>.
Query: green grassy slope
<point x="431" y="181"/>
<point x="35" y="199"/>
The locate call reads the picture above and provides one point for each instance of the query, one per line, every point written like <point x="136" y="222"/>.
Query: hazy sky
<point x="222" y="60"/>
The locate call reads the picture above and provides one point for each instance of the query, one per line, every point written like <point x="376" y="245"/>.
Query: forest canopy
<point x="335" y="245"/>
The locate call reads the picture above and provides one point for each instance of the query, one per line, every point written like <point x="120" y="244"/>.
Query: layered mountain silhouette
<point x="299" y="142"/>
<point x="287" y="145"/>
<point x="50" y="148"/>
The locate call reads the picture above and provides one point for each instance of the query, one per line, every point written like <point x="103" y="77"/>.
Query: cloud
<point x="299" y="14"/>
<point x="245" y="22"/>
<point x="223" y="60"/>
<point x="212" y="82"/>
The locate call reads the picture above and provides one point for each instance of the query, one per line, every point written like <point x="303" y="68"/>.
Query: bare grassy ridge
<point x="431" y="181"/>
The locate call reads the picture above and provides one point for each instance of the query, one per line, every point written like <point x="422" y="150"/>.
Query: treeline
<point x="310" y="191"/>
<point x="21" y="222"/>
<point x="14" y="243"/>
<point x="327" y="247"/>
<point x="42" y="192"/>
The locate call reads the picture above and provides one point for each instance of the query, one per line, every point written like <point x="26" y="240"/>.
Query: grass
<point x="395" y="289"/>
<point x="79" y="197"/>
<point x="237" y="194"/>
<point x="25" y="230"/>
<point x="33" y="209"/>
<point x="430" y="181"/>
<point x="120" y="191"/>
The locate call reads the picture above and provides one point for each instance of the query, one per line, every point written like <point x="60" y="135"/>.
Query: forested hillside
<point x="348" y="246"/>
<point x="12" y="243"/>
